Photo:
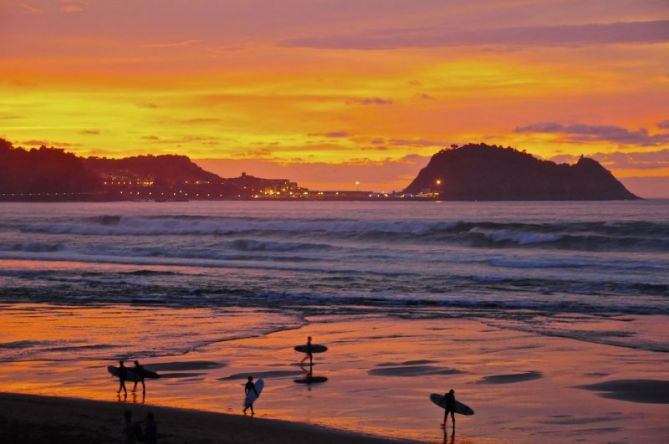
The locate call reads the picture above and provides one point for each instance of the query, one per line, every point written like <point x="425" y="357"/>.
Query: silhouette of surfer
<point x="250" y="386"/>
<point x="449" y="407"/>
<point x="122" y="376"/>
<point x="139" y="370"/>
<point x="309" y="353"/>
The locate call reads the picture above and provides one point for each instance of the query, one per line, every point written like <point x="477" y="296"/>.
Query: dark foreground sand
<point x="31" y="419"/>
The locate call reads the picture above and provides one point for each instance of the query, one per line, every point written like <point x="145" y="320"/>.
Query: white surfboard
<point x="251" y="397"/>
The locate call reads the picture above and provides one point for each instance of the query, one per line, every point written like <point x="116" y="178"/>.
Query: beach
<point x="41" y="419"/>
<point x="523" y="386"/>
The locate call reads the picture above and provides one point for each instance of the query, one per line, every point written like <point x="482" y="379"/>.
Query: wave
<point x="256" y="245"/>
<point x="587" y="236"/>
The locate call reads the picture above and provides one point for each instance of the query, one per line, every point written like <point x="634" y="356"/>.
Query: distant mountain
<point x="43" y="170"/>
<point x="484" y="172"/>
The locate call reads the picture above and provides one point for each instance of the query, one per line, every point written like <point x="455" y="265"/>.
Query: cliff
<point x="484" y="172"/>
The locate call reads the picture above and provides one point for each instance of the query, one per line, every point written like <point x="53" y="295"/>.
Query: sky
<point x="333" y="92"/>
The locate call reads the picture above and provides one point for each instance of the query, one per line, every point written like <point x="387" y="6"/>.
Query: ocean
<point x="498" y="259"/>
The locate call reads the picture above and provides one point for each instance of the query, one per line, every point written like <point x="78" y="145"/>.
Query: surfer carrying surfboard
<point x="309" y="353"/>
<point x="139" y="371"/>
<point x="122" y="376"/>
<point x="248" y="388"/>
<point x="449" y="407"/>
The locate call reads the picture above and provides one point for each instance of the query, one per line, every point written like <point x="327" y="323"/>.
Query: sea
<point x="515" y="261"/>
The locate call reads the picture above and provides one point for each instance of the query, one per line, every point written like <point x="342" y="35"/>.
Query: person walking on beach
<point x="150" y="429"/>
<point x="449" y="407"/>
<point x="250" y="386"/>
<point x="127" y="429"/>
<point x="139" y="370"/>
<point x="122" y="376"/>
<point x="309" y="353"/>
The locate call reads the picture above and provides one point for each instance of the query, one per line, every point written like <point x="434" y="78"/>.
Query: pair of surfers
<point x="123" y="376"/>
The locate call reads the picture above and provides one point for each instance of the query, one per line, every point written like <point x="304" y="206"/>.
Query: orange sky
<point x="331" y="92"/>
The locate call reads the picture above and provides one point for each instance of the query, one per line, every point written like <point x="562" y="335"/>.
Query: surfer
<point x="122" y="376"/>
<point x="309" y="353"/>
<point x="250" y="386"/>
<point x="139" y="371"/>
<point x="449" y="407"/>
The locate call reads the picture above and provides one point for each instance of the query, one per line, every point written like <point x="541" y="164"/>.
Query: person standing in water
<point x="122" y="376"/>
<point x="250" y="386"/>
<point x="449" y="407"/>
<point x="309" y="353"/>
<point x="139" y="370"/>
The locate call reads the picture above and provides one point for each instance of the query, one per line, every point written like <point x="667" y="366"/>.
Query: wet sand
<point x="524" y="387"/>
<point x="31" y="419"/>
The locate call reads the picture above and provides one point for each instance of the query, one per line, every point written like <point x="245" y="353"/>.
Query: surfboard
<point x="311" y="380"/>
<point x="460" y="408"/>
<point x="315" y="348"/>
<point x="251" y="397"/>
<point x="131" y="374"/>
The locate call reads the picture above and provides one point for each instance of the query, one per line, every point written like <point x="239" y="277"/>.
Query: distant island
<point x="485" y="172"/>
<point x="469" y="172"/>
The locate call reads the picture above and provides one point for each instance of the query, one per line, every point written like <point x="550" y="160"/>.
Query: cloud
<point x="637" y="160"/>
<point x="72" y="6"/>
<point x="664" y="124"/>
<point x="330" y="134"/>
<point x="38" y="143"/>
<point x="201" y="120"/>
<point x="90" y="132"/>
<point x="417" y="142"/>
<point x="28" y="8"/>
<point x="560" y="35"/>
<point x="578" y="133"/>
<point x="424" y="96"/>
<point x="170" y="44"/>
<point x="369" y="101"/>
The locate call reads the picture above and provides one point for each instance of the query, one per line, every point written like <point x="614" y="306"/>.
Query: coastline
<point x="39" y="419"/>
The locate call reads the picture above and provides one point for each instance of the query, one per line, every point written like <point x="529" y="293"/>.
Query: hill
<point x="485" y="172"/>
<point x="168" y="169"/>
<point x="41" y="170"/>
<point x="48" y="173"/>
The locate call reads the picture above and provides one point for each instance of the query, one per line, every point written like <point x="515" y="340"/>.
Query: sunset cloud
<point x="331" y="134"/>
<point x="636" y="160"/>
<point x="72" y="6"/>
<point x="369" y="101"/>
<point x="560" y="35"/>
<point x="587" y="133"/>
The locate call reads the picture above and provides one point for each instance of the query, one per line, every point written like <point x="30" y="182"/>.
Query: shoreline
<point x="22" y="419"/>
<point x="380" y="373"/>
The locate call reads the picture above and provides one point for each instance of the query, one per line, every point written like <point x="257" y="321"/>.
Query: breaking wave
<point x="587" y="236"/>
